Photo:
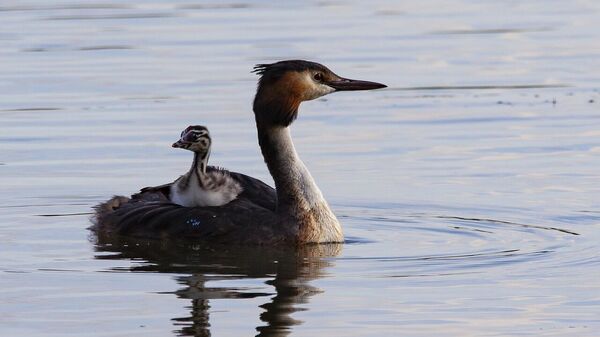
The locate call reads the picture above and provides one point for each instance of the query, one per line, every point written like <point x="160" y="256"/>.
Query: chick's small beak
<point x="346" y="84"/>
<point x="179" y="144"/>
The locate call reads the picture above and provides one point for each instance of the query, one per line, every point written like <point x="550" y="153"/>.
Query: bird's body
<point x="217" y="189"/>
<point x="294" y="213"/>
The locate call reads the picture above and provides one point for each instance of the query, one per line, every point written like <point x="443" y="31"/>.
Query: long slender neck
<point x="298" y="196"/>
<point x="198" y="169"/>
<point x="296" y="188"/>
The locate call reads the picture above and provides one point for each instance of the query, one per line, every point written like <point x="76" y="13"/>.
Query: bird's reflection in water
<point x="288" y="269"/>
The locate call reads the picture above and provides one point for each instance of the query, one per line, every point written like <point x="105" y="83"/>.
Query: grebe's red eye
<point x="318" y="77"/>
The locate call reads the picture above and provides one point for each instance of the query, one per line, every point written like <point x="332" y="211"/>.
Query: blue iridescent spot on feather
<point x="193" y="222"/>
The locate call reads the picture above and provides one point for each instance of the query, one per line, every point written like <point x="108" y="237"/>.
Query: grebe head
<point x="284" y="85"/>
<point x="194" y="138"/>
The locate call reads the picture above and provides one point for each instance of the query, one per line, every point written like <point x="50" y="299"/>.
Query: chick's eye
<point x="318" y="77"/>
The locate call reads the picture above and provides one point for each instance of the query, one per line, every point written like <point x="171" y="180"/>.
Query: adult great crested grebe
<point x="294" y="213"/>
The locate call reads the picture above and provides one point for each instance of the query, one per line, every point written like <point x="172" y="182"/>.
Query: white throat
<point x="297" y="193"/>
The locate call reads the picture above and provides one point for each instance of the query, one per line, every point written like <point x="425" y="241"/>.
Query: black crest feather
<point x="279" y="68"/>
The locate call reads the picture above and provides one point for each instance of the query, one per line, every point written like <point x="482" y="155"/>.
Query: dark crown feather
<point x="279" y="68"/>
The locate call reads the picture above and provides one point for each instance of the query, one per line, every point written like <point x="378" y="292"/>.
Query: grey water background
<point x="468" y="189"/>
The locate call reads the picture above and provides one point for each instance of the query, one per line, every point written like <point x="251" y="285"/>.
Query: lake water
<point x="468" y="190"/>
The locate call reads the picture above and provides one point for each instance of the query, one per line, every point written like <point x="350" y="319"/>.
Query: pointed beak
<point x="180" y="144"/>
<point x="345" y="84"/>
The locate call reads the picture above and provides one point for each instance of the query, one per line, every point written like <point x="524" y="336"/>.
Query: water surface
<point x="468" y="189"/>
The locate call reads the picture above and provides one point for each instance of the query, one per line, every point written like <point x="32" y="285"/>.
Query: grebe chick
<point x="198" y="188"/>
